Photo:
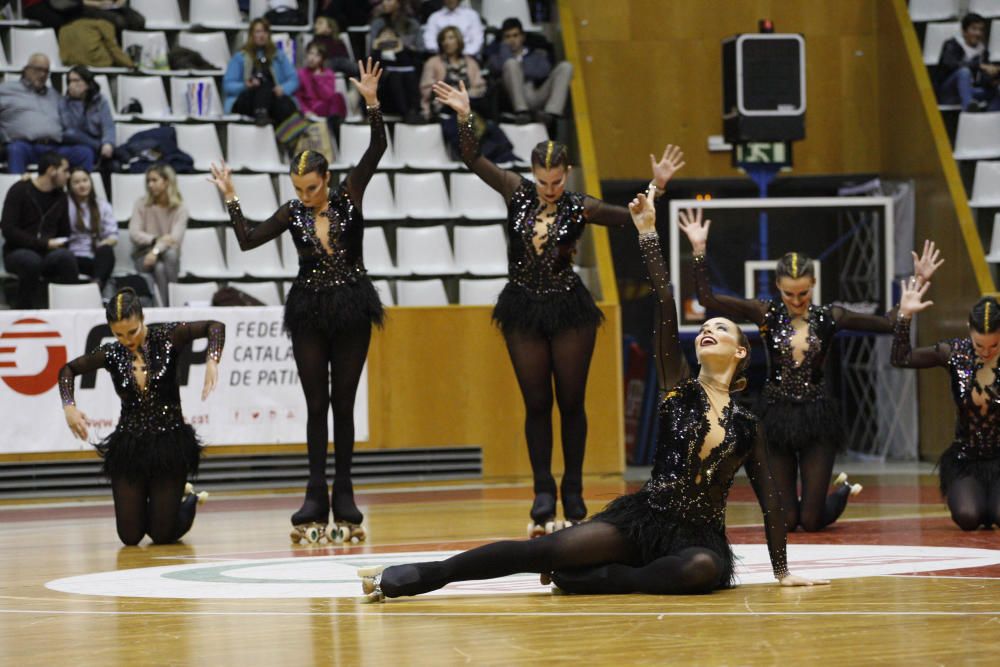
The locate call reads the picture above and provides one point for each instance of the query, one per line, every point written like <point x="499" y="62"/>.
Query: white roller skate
<point x="371" y="583"/>
<point x="347" y="517"/>
<point x="842" y="479"/>
<point x="189" y="491"/>
<point x="310" y="522"/>
<point x="543" y="516"/>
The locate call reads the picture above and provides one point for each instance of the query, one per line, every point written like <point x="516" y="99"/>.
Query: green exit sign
<point x="763" y="152"/>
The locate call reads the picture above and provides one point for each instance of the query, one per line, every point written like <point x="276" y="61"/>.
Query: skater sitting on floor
<point x="669" y="537"/>
<point x="152" y="451"/>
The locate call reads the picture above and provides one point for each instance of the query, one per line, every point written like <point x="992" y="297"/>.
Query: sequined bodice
<point x="787" y="378"/>
<point x="551" y="270"/>
<point x="320" y="270"/>
<point x="979" y="433"/>
<point x="682" y="482"/>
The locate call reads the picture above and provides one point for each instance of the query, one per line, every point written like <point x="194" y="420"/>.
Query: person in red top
<point x="317" y="93"/>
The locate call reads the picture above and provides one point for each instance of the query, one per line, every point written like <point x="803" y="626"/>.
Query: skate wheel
<point x="358" y="534"/>
<point x="313" y="534"/>
<point x="531" y="530"/>
<point x="841" y="479"/>
<point x="296" y="536"/>
<point x="341" y="534"/>
<point x="856" y="489"/>
<point x="550" y="527"/>
<point x="188" y="489"/>
<point x="202" y="497"/>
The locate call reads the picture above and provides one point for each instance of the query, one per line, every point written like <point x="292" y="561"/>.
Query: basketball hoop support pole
<point x="762" y="175"/>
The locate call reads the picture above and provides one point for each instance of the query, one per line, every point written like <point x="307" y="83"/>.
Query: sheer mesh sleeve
<point x="359" y="177"/>
<point x="731" y="306"/>
<point x="904" y="356"/>
<point x="503" y="181"/>
<point x="256" y="235"/>
<point x="770" y="503"/>
<point x="602" y="213"/>
<point x="848" y="319"/>
<point x="671" y="366"/>
<point x="214" y="331"/>
<point x="67" y="374"/>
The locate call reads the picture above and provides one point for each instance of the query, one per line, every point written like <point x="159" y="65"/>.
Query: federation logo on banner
<point x="23" y="342"/>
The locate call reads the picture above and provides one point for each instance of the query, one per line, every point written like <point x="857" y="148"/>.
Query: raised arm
<point x="671" y="366"/>
<point x="696" y="229"/>
<point x="75" y="419"/>
<point x="248" y="235"/>
<point x="503" y="181"/>
<point x="362" y="173"/>
<point x="903" y="354"/>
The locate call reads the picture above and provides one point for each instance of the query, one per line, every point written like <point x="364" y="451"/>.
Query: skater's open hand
<point x="671" y="162"/>
<point x="211" y="378"/>
<point x="928" y="262"/>
<point x="695" y="228"/>
<point x="643" y="213"/>
<point x="222" y="177"/>
<point x="911" y="301"/>
<point x="456" y="98"/>
<point x="793" y="580"/>
<point x="371" y="72"/>
<point x="77" y="421"/>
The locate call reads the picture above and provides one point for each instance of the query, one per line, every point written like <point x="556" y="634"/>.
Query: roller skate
<point x="543" y="514"/>
<point x="854" y="489"/>
<point x="202" y="496"/>
<point x="310" y="522"/>
<point x="574" y="509"/>
<point x="371" y="583"/>
<point x="346" y="515"/>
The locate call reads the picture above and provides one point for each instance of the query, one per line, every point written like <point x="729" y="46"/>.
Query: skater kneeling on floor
<point x="152" y="451"/>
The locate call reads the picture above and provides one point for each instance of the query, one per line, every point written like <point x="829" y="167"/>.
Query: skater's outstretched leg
<point x="571" y="354"/>
<point x="819" y="509"/>
<point x="131" y="499"/>
<point x="165" y="509"/>
<point x="689" y="572"/>
<point x="968" y="502"/>
<point x="591" y="543"/>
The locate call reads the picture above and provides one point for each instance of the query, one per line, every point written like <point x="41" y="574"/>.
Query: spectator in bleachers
<point x="327" y="32"/>
<point x="86" y="116"/>
<point x="93" y="229"/>
<point x="284" y="12"/>
<point x="467" y="20"/>
<point x="29" y="120"/>
<point x="317" y="93"/>
<point x="965" y="73"/>
<point x="157" y="228"/>
<point x="35" y="226"/>
<point x="260" y="81"/>
<point x="116" y="12"/>
<point x="347" y="12"/>
<point x="531" y="82"/>
<point x="452" y="67"/>
<point x="397" y="15"/>
<point x="43" y="12"/>
<point x="401" y="86"/>
<point x="91" y="42"/>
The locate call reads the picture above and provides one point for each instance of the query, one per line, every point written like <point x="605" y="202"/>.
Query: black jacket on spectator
<point x="953" y="57"/>
<point x="32" y="217"/>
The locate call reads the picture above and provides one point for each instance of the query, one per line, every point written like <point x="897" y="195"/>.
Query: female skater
<point x="801" y="421"/>
<point x="669" y="537"/>
<point x="548" y="318"/>
<point x="970" y="467"/>
<point x="329" y="311"/>
<point x="152" y="451"/>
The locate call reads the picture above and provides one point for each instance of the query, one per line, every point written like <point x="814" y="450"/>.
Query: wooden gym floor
<point x="910" y="588"/>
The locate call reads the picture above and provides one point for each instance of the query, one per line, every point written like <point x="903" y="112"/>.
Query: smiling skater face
<point x="720" y="340"/>
<point x="796" y="293"/>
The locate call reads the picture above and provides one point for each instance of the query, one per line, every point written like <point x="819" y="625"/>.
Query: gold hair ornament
<point x="301" y="169"/>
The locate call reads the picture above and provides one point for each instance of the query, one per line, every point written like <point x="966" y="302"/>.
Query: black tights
<point x="330" y="368"/>
<point x="973" y="503"/>
<point x="592" y="557"/>
<point x="152" y="507"/>
<point x="537" y="359"/>
<point x="814" y="510"/>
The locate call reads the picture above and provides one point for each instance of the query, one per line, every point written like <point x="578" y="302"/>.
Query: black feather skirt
<point x="343" y="308"/>
<point x="657" y="533"/>
<point x="519" y="310"/>
<point x="954" y="465"/>
<point x="792" y="426"/>
<point x="150" y="455"/>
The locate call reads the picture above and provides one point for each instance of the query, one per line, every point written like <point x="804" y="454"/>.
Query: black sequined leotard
<point x="796" y="410"/>
<point x="332" y="290"/>
<point x="975" y="450"/>
<point x="151" y="437"/>
<point x="544" y="295"/>
<point x="684" y="502"/>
